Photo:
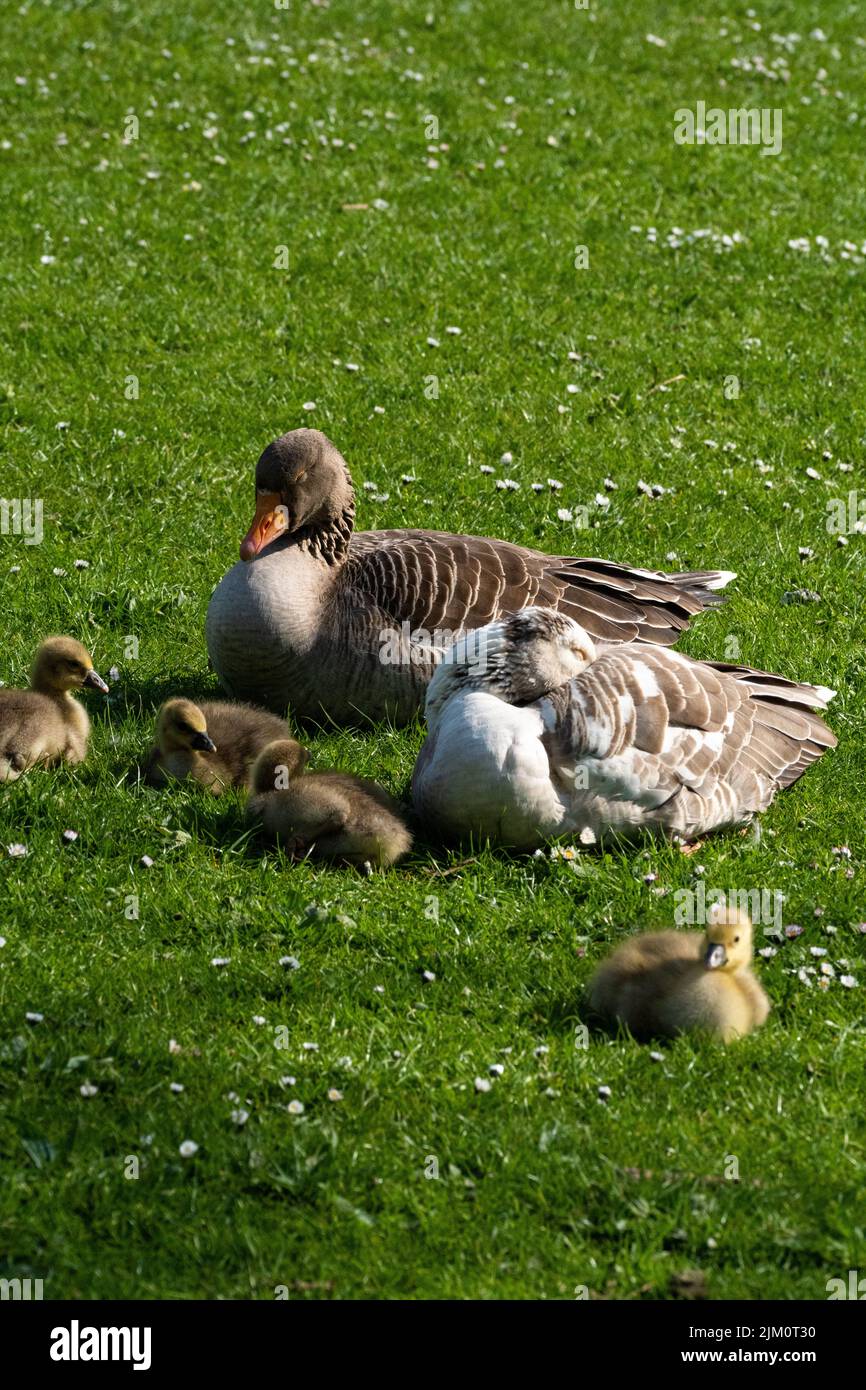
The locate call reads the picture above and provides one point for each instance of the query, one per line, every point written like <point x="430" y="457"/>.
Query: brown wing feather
<point x="434" y="580"/>
<point x="768" y="740"/>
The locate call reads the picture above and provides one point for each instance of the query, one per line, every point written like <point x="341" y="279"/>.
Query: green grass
<point x="542" y="1187"/>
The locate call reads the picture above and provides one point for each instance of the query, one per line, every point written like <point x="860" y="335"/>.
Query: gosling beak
<point x="270" y="521"/>
<point x="203" y="742"/>
<point x="95" y="681"/>
<point x="716" y="956"/>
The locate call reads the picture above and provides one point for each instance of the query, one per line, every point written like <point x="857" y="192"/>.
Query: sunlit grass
<point x="144" y="367"/>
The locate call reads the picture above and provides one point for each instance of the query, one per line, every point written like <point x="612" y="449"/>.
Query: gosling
<point x="665" y="983"/>
<point x="214" y="744"/>
<point x="45" y="725"/>
<point x="325" y="815"/>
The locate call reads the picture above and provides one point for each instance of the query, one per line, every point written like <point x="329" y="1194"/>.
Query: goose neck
<point x="329" y="540"/>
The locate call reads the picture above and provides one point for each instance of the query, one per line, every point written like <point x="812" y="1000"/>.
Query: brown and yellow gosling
<point x="45" y="725"/>
<point x="325" y="815"/>
<point x="665" y="983"/>
<point x="214" y="744"/>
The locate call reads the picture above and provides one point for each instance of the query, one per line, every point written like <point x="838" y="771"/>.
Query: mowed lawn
<point x="417" y="173"/>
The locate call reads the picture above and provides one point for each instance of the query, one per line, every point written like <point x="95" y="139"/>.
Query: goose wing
<point x="691" y="743"/>
<point x="437" y="581"/>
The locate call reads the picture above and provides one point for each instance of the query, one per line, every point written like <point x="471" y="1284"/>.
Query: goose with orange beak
<point x="352" y="625"/>
<point x="271" y="521"/>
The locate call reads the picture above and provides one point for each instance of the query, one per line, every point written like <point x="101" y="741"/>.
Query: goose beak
<point x="270" y="521"/>
<point x="205" y="743"/>
<point x="95" y="681"/>
<point x="716" y="956"/>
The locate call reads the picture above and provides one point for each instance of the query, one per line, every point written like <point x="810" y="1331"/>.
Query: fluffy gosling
<point x="45" y="725"/>
<point x="326" y="815"/>
<point x="665" y="983"/>
<point x="214" y="744"/>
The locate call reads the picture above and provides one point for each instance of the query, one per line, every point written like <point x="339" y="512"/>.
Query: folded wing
<point x="694" y="744"/>
<point x="433" y="580"/>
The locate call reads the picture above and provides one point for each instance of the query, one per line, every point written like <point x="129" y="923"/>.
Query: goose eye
<point x="736" y="939"/>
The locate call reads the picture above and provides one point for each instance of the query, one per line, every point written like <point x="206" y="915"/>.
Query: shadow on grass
<point x="130" y="700"/>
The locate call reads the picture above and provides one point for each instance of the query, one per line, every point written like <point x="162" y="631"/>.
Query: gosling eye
<point x="736" y="939"/>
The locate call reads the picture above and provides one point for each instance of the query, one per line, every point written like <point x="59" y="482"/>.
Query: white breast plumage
<point x="487" y="774"/>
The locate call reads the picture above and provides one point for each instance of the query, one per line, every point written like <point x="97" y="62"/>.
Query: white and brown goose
<point x="534" y="734"/>
<point x="326" y="620"/>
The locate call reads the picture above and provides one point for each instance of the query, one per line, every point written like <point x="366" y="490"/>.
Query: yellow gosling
<point x="665" y="983"/>
<point x="45" y="724"/>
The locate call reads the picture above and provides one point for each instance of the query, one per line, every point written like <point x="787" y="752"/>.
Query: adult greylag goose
<point x="45" y="725"/>
<point x="214" y="743"/>
<point x="325" y="620"/>
<point x="670" y="982"/>
<point x="533" y="733"/>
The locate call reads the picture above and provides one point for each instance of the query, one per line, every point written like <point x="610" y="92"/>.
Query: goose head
<point x="62" y="664"/>
<point x="278" y="764"/>
<point x="181" y="726"/>
<point x="728" y="940"/>
<point x="302" y="483"/>
<point x="518" y="658"/>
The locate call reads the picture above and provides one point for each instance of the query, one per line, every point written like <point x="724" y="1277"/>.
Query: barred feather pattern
<point x="353" y="624"/>
<point x="690" y="745"/>
<point x="440" y="581"/>
<point x="437" y="587"/>
<point x="642" y="738"/>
